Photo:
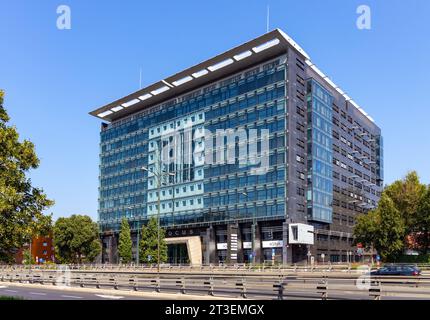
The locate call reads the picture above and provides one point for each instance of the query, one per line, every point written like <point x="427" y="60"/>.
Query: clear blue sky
<point x="54" y="78"/>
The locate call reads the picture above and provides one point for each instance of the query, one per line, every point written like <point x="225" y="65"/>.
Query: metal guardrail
<point x="241" y="266"/>
<point x="236" y="269"/>
<point x="266" y="286"/>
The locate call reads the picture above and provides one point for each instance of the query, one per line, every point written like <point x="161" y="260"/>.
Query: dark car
<point x="397" y="270"/>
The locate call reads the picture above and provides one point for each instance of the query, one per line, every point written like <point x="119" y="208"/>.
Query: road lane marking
<point x="109" y="297"/>
<point x="38" y="293"/>
<point x="72" y="297"/>
<point x="13" y="291"/>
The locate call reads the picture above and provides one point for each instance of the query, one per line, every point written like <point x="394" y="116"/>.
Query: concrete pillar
<point x="114" y="250"/>
<point x="257" y="244"/>
<point x="287" y="250"/>
<point x="210" y="246"/>
<point x="232" y="243"/>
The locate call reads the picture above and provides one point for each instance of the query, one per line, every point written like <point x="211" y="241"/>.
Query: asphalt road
<point x="258" y="286"/>
<point x="41" y="293"/>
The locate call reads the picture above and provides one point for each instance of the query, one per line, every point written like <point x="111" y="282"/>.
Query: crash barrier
<point x="326" y="287"/>
<point x="236" y="268"/>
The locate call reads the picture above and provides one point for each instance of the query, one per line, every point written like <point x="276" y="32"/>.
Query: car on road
<point x="397" y="270"/>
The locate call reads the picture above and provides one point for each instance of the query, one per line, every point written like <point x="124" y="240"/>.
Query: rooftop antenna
<point x="140" y="78"/>
<point x="268" y="19"/>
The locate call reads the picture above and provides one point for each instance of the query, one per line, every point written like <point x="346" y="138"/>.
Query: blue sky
<point x="53" y="78"/>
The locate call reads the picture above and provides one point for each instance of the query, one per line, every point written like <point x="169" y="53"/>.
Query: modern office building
<point x="251" y="156"/>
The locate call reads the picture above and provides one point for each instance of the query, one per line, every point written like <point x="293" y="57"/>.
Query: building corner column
<point x="210" y="246"/>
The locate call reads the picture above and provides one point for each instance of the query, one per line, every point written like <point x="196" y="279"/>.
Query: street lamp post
<point x="138" y="244"/>
<point x="173" y="197"/>
<point x="158" y="221"/>
<point x="159" y="174"/>
<point x="253" y="228"/>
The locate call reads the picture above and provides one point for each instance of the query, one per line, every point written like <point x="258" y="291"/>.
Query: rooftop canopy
<point x="257" y="50"/>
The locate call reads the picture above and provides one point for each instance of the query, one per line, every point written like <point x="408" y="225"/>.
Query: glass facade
<point x="268" y="140"/>
<point x="320" y="153"/>
<point x="195" y="191"/>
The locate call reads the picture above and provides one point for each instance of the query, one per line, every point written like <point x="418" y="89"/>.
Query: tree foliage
<point x="27" y="257"/>
<point x="423" y="222"/>
<point x="403" y="213"/>
<point x="382" y="229"/>
<point x="21" y="204"/>
<point x="406" y="195"/>
<point x="125" y="244"/>
<point x="149" y="243"/>
<point x="76" y="239"/>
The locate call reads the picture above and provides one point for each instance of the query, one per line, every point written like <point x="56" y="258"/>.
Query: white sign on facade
<point x="273" y="244"/>
<point x="247" y="245"/>
<point x="300" y="233"/>
<point x="221" y="246"/>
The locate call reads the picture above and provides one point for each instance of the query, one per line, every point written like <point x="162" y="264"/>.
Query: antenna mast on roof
<point x="140" y="78"/>
<point x="267" y="19"/>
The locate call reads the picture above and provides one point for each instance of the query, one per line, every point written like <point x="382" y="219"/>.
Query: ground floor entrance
<point x="177" y="254"/>
<point x="265" y="242"/>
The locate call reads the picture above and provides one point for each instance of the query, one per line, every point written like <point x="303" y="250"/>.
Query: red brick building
<point x="42" y="250"/>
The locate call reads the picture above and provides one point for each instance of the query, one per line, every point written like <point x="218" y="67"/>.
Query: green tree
<point x="27" y="257"/>
<point x="76" y="239"/>
<point x="21" y="204"/>
<point x="125" y="244"/>
<point x="423" y="222"/>
<point x="149" y="243"/>
<point x="406" y="195"/>
<point x="382" y="229"/>
<point x="365" y="229"/>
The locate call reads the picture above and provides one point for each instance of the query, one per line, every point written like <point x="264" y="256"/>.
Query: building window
<point x="295" y="232"/>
